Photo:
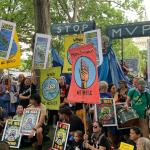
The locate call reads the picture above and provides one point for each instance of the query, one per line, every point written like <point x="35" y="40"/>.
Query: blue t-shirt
<point x="106" y="95"/>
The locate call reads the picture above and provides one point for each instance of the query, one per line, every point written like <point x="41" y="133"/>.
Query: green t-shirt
<point x="141" y="104"/>
<point x="17" y="118"/>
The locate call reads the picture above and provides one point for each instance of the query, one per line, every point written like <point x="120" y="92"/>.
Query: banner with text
<point x="148" y="60"/>
<point x="11" y="133"/>
<point x="49" y="87"/>
<point x="41" y="50"/>
<point x="61" y="136"/>
<point x="84" y="82"/>
<point x="14" y="59"/>
<point x="7" y="30"/>
<point x="71" y="42"/>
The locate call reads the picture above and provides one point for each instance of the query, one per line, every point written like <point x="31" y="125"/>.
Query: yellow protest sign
<point x="49" y="87"/>
<point x="71" y="41"/>
<point x="125" y="146"/>
<point x="14" y="57"/>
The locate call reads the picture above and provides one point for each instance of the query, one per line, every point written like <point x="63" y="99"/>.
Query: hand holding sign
<point x="84" y="74"/>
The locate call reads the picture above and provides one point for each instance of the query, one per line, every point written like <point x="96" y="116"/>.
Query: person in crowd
<point x="145" y="74"/>
<point x="74" y="121"/>
<point x="19" y="111"/>
<point x="135" y="134"/>
<point x="103" y="86"/>
<point x="20" y="78"/>
<point x="143" y="144"/>
<point x="123" y="90"/>
<point x="5" y="87"/>
<point x="124" y="68"/>
<point x="27" y="88"/>
<point x="97" y="140"/>
<point x="3" y="118"/>
<point x="35" y="101"/>
<point x="78" y="143"/>
<point x="140" y="101"/>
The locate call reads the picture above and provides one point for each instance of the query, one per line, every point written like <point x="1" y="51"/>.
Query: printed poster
<point x="7" y="30"/>
<point x="41" y="51"/>
<point x="84" y="82"/>
<point x="119" y="106"/>
<point x="29" y="120"/>
<point x="71" y="41"/>
<point x="14" y="59"/>
<point x="106" y="112"/>
<point x="49" y="87"/>
<point x="148" y="60"/>
<point x="61" y="136"/>
<point x="94" y="37"/>
<point x="132" y="64"/>
<point x="11" y="133"/>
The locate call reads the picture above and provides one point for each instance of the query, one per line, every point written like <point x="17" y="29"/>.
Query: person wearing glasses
<point x="143" y="144"/>
<point x="97" y="140"/>
<point x="135" y="134"/>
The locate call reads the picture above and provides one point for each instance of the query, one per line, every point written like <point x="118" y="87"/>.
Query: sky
<point x="132" y="16"/>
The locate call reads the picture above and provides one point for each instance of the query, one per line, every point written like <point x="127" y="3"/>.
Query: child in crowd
<point x="77" y="144"/>
<point x="19" y="111"/>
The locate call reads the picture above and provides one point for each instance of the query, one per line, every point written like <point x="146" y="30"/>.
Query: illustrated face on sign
<point x="105" y="45"/>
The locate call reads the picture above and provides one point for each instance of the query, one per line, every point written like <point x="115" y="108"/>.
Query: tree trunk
<point x="42" y="25"/>
<point x="75" y="13"/>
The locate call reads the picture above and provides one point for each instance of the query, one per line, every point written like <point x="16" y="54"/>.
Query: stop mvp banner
<point x="14" y="57"/>
<point x="71" y="41"/>
<point x="49" y="87"/>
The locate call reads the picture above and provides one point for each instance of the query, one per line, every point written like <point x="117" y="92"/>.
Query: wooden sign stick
<point x="9" y="89"/>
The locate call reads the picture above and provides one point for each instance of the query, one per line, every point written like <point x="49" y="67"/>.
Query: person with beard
<point x="140" y="101"/>
<point x="97" y="140"/>
<point x="25" y="86"/>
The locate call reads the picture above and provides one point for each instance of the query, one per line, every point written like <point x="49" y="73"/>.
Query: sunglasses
<point x="95" y="127"/>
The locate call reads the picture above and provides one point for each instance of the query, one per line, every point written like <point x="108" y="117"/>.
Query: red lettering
<point x="128" y="63"/>
<point x="133" y="64"/>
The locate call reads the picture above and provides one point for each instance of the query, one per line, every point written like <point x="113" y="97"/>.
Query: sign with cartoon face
<point x="49" y="85"/>
<point x="84" y="82"/>
<point x="7" y="30"/>
<point x="29" y="120"/>
<point x="71" y="41"/>
<point x="106" y="112"/>
<point x="61" y="136"/>
<point x="14" y="59"/>
<point x="11" y="133"/>
<point x="41" y="50"/>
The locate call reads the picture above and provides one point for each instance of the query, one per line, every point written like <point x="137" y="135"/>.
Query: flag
<point x="49" y="87"/>
<point x="14" y="57"/>
<point x="84" y="83"/>
<point x="71" y="42"/>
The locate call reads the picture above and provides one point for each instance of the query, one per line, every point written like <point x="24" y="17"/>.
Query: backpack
<point x="109" y="142"/>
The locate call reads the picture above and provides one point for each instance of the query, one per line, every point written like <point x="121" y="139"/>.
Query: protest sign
<point x="49" y="87"/>
<point x="84" y="82"/>
<point x="71" y="41"/>
<point x="106" y="112"/>
<point x="41" y="51"/>
<point x="7" y="30"/>
<point x="29" y="120"/>
<point x="61" y="136"/>
<point x="125" y="146"/>
<point x="94" y="37"/>
<point x="11" y="133"/>
<point x="14" y="59"/>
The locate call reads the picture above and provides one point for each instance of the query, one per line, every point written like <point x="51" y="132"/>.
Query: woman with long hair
<point x="143" y="144"/>
<point x="27" y="88"/>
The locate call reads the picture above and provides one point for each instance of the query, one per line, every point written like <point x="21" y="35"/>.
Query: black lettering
<point x="77" y="39"/>
<point x="51" y="74"/>
<point x="84" y="92"/>
<point x="69" y="69"/>
<point x="3" y="62"/>
<point x="52" y="103"/>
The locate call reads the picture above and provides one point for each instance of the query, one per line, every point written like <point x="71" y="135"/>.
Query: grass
<point x="45" y="143"/>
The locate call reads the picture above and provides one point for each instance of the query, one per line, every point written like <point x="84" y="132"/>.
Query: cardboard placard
<point x="49" y="87"/>
<point x="94" y="37"/>
<point x="61" y="136"/>
<point x="41" y="51"/>
<point x="7" y="30"/>
<point x="29" y="120"/>
<point x="11" y="133"/>
<point x="106" y="112"/>
<point x="125" y="146"/>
